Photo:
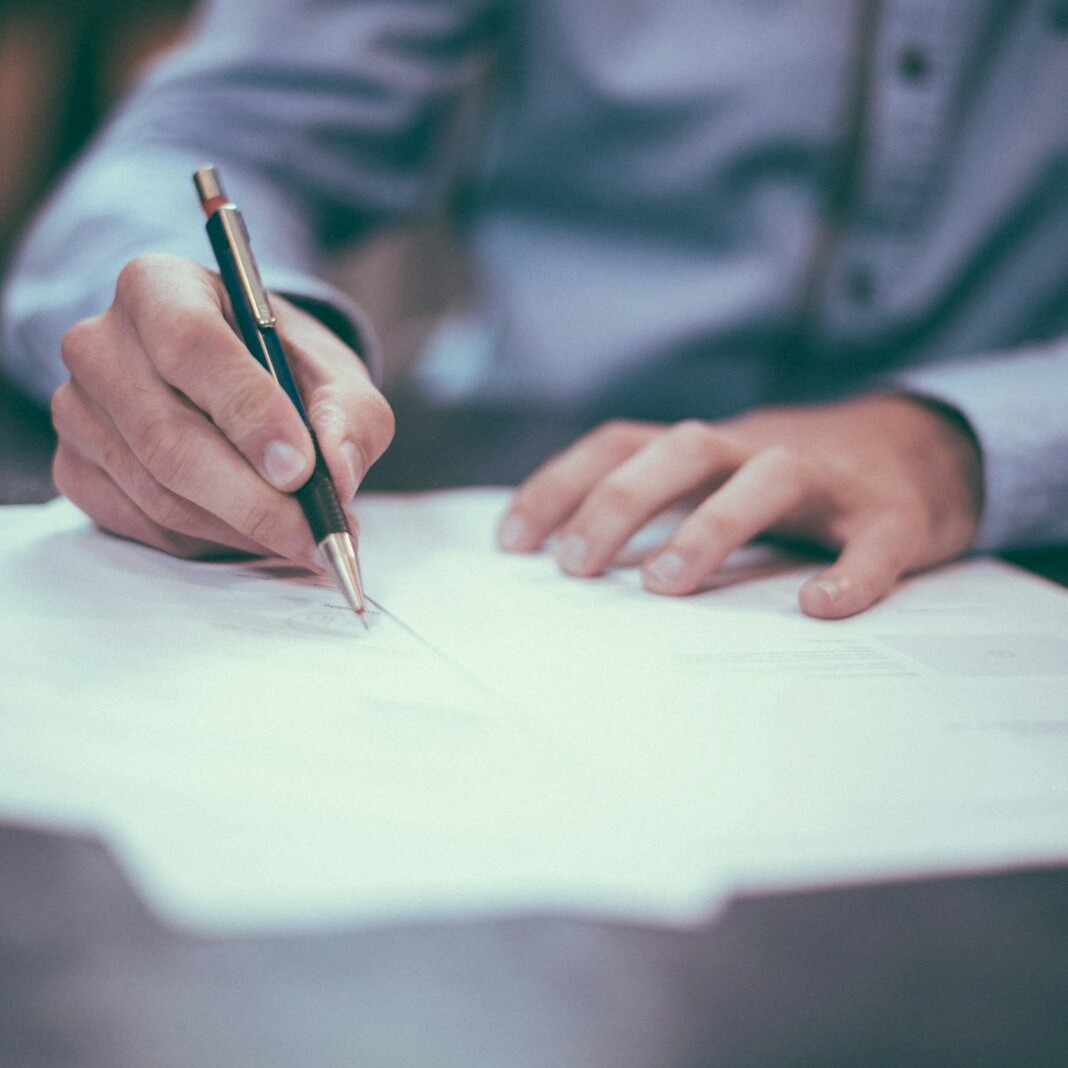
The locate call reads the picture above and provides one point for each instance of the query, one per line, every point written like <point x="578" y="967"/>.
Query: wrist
<point x="947" y="444"/>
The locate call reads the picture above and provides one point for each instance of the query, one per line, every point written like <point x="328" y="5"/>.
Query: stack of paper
<point x="504" y="738"/>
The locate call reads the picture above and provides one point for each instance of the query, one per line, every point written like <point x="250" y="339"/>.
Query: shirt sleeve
<point x="1015" y="403"/>
<point x="325" y="122"/>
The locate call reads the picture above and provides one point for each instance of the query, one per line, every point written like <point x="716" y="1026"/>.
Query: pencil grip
<point x="320" y="502"/>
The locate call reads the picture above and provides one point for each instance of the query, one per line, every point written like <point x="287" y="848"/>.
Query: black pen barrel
<point x="318" y="496"/>
<point x="320" y="502"/>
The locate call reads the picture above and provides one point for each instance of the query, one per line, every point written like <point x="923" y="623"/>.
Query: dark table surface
<point x="945" y="972"/>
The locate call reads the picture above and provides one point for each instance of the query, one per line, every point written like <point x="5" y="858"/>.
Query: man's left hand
<point x="892" y="483"/>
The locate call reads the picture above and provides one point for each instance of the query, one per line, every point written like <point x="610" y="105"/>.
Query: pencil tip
<point x="339" y="550"/>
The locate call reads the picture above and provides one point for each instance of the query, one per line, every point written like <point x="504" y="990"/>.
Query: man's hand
<point x="890" y="481"/>
<point x="170" y="433"/>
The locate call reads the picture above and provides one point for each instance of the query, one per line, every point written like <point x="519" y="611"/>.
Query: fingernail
<point x="829" y="588"/>
<point x="283" y="464"/>
<point x="512" y="532"/>
<point x="354" y="459"/>
<point x="666" y="569"/>
<point x="572" y="552"/>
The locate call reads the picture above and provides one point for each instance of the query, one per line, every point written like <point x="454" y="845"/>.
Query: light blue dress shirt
<point x="674" y="207"/>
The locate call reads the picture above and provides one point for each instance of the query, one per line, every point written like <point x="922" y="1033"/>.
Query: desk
<point x="962" y="971"/>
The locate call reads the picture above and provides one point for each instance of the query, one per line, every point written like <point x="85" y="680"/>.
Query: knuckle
<point x="180" y="325"/>
<point x="719" y="527"/>
<point x="328" y="407"/>
<point x="615" y="497"/>
<point x="164" y="508"/>
<point x="78" y="347"/>
<point x="167" y="450"/>
<point x="169" y="320"/>
<point x="619" y="438"/>
<point x="248" y="405"/>
<point x="530" y="499"/>
<point x="540" y="491"/>
<point x="134" y="278"/>
<point x="788" y="465"/>
<point x="262" y="525"/>
<point x="619" y="429"/>
<point x="141" y="275"/>
<point x="62" y="407"/>
<point x="114" y="455"/>
<point x="176" y="327"/>
<point x="693" y="439"/>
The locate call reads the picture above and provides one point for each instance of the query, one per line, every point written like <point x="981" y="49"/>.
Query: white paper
<point x="504" y="738"/>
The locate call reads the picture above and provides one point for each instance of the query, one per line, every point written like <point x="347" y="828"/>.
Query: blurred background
<point x="63" y="65"/>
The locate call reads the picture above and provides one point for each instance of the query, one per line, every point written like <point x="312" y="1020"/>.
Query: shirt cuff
<point x="1014" y="403"/>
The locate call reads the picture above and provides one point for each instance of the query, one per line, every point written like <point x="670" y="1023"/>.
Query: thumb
<point x="866" y="570"/>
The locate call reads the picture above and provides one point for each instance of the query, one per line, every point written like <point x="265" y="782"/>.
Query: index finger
<point x="177" y="311"/>
<point x="552" y="493"/>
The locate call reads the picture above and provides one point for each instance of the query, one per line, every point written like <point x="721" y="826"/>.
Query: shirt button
<point x="913" y="64"/>
<point x="860" y="284"/>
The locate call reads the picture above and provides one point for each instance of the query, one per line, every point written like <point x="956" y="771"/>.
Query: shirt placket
<point x="916" y="70"/>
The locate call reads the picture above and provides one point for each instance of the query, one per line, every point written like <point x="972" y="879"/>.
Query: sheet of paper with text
<point x="505" y="739"/>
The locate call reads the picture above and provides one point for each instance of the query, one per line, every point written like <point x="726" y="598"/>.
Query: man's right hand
<point x="171" y="434"/>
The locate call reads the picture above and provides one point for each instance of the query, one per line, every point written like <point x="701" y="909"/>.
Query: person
<point x="807" y="259"/>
